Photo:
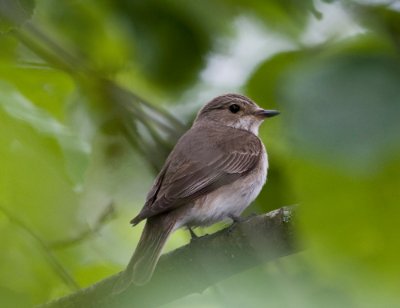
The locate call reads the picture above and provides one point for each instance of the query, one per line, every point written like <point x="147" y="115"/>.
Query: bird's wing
<point x="203" y="160"/>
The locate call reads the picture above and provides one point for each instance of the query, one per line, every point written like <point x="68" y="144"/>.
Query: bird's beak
<point x="267" y="113"/>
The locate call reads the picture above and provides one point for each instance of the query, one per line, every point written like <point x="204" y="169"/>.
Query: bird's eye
<point x="234" y="108"/>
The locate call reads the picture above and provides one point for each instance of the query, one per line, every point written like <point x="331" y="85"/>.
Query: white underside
<point x="228" y="200"/>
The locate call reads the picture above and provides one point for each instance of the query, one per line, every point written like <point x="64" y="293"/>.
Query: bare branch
<point x="198" y="265"/>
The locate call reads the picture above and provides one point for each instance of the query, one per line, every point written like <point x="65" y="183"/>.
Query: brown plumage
<point x="220" y="151"/>
<point x="197" y="166"/>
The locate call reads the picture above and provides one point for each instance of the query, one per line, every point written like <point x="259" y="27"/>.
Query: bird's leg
<point x="236" y="219"/>
<point x="253" y="214"/>
<point x="192" y="234"/>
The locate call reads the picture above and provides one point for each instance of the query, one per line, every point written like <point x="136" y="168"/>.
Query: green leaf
<point x="262" y="87"/>
<point x="74" y="148"/>
<point x="170" y="39"/>
<point x="380" y="18"/>
<point x="340" y="152"/>
<point x="14" y="13"/>
<point x="342" y="111"/>
<point x="345" y="108"/>
<point x="285" y="17"/>
<point x="263" y="84"/>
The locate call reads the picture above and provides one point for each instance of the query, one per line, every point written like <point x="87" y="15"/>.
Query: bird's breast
<point x="230" y="199"/>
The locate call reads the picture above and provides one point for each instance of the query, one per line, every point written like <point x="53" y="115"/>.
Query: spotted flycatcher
<point x="215" y="171"/>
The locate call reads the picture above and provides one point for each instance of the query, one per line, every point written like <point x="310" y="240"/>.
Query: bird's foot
<point x="239" y="219"/>
<point x="193" y="235"/>
<point x="236" y="219"/>
<point x="251" y="216"/>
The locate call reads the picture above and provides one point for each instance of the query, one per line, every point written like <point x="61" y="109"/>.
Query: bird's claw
<point x="193" y="235"/>
<point x="236" y="219"/>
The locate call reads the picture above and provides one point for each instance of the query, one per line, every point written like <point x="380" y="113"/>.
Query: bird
<point x="216" y="169"/>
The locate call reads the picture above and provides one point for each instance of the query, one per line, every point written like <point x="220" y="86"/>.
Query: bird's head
<point x="236" y="111"/>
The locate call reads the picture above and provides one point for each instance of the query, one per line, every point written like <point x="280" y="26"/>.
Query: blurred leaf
<point x="264" y="82"/>
<point x="345" y="106"/>
<point x="75" y="149"/>
<point x="96" y="39"/>
<point x="164" y="42"/>
<point x="341" y="105"/>
<point x="380" y="18"/>
<point x="13" y="13"/>
<point x="286" y="17"/>
<point x="65" y="155"/>
<point x="90" y="273"/>
<point x="171" y="38"/>
<point x="8" y="48"/>
<point x="278" y="190"/>
<point x="36" y="180"/>
<point x="10" y="298"/>
<point x="23" y="265"/>
<point x="263" y="87"/>
<point x="46" y="88"/>
<point x="350" y="226"/>
<point x="341" y="114"/>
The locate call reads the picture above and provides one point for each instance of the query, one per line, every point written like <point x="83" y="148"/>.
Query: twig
<point x="105" y="216"/>
<point x="50" y="258"/>
<point x="127" y="106"/>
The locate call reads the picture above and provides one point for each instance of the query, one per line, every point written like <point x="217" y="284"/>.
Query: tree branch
<point x="198" y="265"/>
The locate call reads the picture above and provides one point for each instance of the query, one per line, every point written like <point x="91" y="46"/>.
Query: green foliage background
<point x="79" y="144"/>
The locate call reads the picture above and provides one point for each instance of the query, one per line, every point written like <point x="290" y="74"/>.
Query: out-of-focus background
<point x="94" y="94"/>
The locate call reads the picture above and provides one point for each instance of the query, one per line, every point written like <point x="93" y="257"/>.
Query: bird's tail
<point x="148" y="251"/>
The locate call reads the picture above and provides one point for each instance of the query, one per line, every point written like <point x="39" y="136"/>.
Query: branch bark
<point x="198" y="265"/>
